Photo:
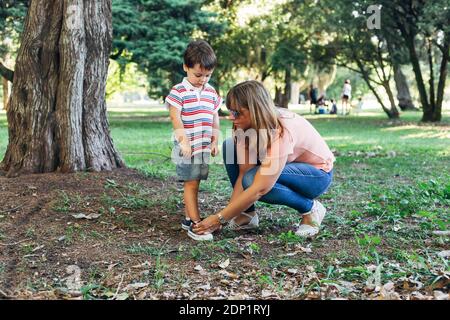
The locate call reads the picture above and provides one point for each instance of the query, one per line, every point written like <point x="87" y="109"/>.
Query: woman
<point x="346" y="97"/>
<point x="276" y="157"/>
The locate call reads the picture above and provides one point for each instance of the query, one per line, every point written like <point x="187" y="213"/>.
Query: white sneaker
<point x="317" y="214"/>
<point x="252" y="224"/>
<point x="200" y="237"/>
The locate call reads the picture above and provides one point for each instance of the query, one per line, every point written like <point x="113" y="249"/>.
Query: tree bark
<point x="287" y="90"/>
<point x="5" y="84"/>
<point x="437" y="116"/>
<point x="410" y="43"/>
<point x="393" y="112"/>
<point x="403" y="94"/>
<point x="57" y="113"/>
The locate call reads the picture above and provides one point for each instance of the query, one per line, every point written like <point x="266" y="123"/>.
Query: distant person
<point x="194" y="106"/>
<point x="320" y="105"/>
<point x="333" y="109"/>
<point x="346" y="97"/>
<point x="312" y="97"/>
<point x="302" y="98"/>
<point x="360" y="105"/>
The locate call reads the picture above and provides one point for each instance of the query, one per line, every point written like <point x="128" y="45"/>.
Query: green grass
<point x="391" y="189"/>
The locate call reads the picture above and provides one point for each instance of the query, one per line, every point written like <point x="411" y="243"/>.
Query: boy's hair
<point x="200" y="52"/>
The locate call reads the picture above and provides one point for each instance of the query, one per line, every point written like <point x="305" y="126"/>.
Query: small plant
<point x="290" y="238"/>
<point x="265" y="280"/>
<point x="27" y="249"/>
<point x="159" y="273"/>
<point x="30" y="233"/>
<point x="254" y="248"/>
<point x="63" y="202"/>
<point x="368" y="245"/>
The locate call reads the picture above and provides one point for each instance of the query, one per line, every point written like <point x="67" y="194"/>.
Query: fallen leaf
<point x="88" y="217"/>
<point x="122" y="296"/>
<point x="267" y="293"/>
<point x="444" y="254"/>
<point x="205" y="287"/>
<point x="292" y="271"/>
<point x="439" y="295"/>
<point x="137" y="285"/>
<point x="225" y="264"/>
<point x="442" y="233"/>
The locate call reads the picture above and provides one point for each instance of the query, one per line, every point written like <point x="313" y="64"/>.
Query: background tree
<point x="363" y="50"/>
<point x="154" y="34"/>
<point x="12" y="14"/>
<point x="57" y="114"/>
<point x="424" y="29"/>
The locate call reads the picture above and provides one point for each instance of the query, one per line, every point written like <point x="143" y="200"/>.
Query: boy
<point x="193" y="106"/>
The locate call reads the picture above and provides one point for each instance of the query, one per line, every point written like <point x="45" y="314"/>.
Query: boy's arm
<point x="180" y="134"/>
<point x="215" y="134"/>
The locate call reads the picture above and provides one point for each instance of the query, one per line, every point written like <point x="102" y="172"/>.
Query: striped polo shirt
<point x="197" y="106"/>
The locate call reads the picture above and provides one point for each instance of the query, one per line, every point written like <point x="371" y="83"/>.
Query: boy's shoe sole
<point x="200" y="237"/>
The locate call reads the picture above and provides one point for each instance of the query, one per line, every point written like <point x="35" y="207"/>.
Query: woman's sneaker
<point x="186" y="224"/>
<point x="252" y="224"/>
<point x="200" y="237"/>
<point x="317" y="214"/>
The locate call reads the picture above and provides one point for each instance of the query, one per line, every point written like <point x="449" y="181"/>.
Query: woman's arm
<point x="264" y="180"/>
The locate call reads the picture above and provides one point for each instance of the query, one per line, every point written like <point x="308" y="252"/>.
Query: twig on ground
<point x="118" y="287"/>
<point x="12" y="209"/>
<point x="3" y="294"/>
<point x="14" y="243"/>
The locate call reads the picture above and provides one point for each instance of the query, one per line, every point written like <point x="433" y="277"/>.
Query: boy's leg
<point x="191" y="199"/>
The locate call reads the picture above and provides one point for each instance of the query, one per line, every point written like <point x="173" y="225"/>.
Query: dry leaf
<point x="442" y="233"/>
<point x="292" y="271"/>
<point x="137" y="285"/>
<point x="267" y="293"/>
<point x="205" y="287"/>
<point x="224" y="264"/>
<point x="439" y="295"/>
<point x="88" y="217"/>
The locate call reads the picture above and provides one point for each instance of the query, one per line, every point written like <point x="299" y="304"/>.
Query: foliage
<point x="12" y="15"/>
<point x="154" y="34"/>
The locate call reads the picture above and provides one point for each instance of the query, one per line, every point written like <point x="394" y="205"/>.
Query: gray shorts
<point x="196" y="168"/>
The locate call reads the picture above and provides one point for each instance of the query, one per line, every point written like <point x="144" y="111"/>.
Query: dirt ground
<point x="116" y="235"/>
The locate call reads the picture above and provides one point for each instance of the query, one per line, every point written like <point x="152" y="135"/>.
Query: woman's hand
<point x="209" y="224"/>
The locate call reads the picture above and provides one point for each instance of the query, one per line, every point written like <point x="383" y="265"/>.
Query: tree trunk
<point x="403" y="95"/>
<point x="278" y="96"/>
<point x="393" y="112"/>
<point x="437" y="116"/>
<point x="57" y="112"/>
<point x="287" y="90"/>
<point x="5" y="84"/>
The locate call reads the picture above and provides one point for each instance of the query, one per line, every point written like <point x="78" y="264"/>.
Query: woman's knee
<point x="247" y="179"/>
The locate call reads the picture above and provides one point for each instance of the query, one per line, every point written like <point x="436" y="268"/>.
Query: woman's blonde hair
<point x="252" y="95"/>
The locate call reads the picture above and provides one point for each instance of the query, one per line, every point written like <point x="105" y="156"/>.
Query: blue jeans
<point x="297" y="187"/>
